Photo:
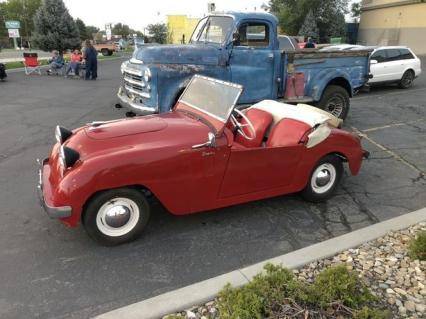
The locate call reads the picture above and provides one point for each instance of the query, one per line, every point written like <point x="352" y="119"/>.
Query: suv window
<point x="406" y="54"/>
<point x="254" y="34"/>
<point x="393" y="55"/>
<point x="379" y="56"/>
<point x="286" y="43"/>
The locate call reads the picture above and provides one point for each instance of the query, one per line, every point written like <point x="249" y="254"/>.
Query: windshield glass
<point x="212" y="29"/>
<point x="211" y="97"/>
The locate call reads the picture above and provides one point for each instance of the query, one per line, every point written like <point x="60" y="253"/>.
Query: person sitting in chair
<point x="74" y="62"/>
<point x="56" y="62"/>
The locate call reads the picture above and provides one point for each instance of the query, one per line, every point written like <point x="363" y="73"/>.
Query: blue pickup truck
<point x="243" y="48"/>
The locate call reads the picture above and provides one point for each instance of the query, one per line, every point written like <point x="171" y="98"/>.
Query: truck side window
<point x="254" y="34"/>
<point x="379" y="56"/>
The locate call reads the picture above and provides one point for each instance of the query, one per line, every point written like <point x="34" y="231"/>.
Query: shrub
<point x="337" y="284"/>
<point x="417" y="247"/>
<point x="239" y="303"/>
<point x="368" y="313"/>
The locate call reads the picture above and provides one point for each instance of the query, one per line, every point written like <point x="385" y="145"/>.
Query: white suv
<point x="394" y="64"/>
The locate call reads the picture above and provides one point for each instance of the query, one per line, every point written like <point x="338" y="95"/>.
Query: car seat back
<point x="261" y="121"/>
<point x="288" y="132"/>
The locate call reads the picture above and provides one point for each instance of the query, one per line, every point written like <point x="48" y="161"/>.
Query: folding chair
<point x="31" y="63"/>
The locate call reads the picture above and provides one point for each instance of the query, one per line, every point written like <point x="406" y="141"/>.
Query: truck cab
<point x="243" y="48"/>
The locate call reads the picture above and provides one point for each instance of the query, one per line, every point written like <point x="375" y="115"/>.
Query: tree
<point x="356" y="11"/>
<point x="55" y="29"/>
<point x="309" y="27"/>
<point x="157" y="33"/>
<point x="81" y="29"/>
<point x="91" y="31"/>
<point x="121" y="29"/>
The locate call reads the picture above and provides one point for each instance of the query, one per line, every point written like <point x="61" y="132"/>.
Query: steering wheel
<point x="240" y="127"/>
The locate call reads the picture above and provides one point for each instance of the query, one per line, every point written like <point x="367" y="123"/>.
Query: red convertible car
<point x="203" y="155"/>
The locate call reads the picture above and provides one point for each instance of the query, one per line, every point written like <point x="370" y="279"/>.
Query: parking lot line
<point x="386" y="94"/>
<point x="391" y="125"/>
<point x="390" y="152"/>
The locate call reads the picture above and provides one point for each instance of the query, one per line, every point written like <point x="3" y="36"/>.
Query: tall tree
<point x="121" y="29"/>
<point x="55" y="29"/>
<point x="91" y="31"/>
<point x="309" y="27"/>
<point x="356" y="11"/>
<point x="157" y="32"/>
<point x="81" y="29"/>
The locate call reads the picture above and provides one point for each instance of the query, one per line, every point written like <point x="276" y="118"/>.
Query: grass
<point x="417" y="247"/>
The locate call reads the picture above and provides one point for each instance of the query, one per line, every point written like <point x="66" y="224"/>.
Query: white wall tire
<point x="116" y="216"/>
<point x="324" y="179"/>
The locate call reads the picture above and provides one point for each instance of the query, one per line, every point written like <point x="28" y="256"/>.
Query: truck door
<point x="252" y="61"/>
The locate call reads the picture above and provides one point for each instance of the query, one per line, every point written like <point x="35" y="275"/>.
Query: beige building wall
<point x="394" y="22"/>
<point x="180" y="27"/>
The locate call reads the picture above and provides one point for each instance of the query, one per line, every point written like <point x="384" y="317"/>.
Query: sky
<point x="138" y="14"/>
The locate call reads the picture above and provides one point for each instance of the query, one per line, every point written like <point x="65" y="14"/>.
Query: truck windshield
<point x="213" y="29"/>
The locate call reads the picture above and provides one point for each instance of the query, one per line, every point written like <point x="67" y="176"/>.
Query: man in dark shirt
<point x="91" y="58"/>
<point x="310" y="44"/>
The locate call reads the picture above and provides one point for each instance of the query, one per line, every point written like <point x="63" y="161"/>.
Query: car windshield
<point x="213" y="29"/>
<point x="212" y="99"/>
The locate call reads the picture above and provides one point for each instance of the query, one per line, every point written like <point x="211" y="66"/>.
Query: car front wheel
<point x="324" y="179"/>
<point x="406" y="80"/>
<point x="116" y="216"/>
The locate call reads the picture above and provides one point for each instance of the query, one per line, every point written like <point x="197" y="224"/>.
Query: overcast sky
<point x="138" y="14"/>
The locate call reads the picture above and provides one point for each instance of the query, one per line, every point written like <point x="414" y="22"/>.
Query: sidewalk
<point x="18" y="55"/>
<point x="204" y="291"/>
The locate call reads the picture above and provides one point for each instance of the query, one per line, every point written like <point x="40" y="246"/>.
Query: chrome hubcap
<point x="335" y="106"/>
<point x="117" y="217"/>
<point x="323" y="178"/>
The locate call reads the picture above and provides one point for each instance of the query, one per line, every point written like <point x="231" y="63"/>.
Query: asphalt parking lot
<point x="49" y="271"/>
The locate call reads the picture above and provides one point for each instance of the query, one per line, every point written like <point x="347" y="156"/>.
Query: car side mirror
<point x="374" y="61"/>
<point x="210" y="143"/>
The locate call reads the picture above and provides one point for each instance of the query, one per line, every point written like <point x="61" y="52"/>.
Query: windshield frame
<point x="204" y="21"/>
<point x="215" y="120"/>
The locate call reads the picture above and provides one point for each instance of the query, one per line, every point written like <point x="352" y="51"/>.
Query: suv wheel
<point x="406" y="80"/>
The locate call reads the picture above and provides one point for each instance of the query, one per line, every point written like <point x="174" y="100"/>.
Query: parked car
<point x="252" y="57"/>
<point x="394" y="64"/>
<point x="203" y="155"/>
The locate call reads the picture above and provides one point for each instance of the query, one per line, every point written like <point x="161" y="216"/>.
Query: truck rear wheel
<point x="105" y="52"/>
<point x="335" y="100"/>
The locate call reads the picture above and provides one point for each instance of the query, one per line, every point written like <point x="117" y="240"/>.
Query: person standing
<point x="310" y="44"/>
<point x="91" y="58"/>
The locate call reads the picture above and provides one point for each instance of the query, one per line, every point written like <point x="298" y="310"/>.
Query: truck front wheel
<point x="335" y="100"/>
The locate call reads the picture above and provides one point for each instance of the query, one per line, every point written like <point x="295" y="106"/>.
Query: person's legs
<point x="95" y="70"/>
<point x="88" y="70"/>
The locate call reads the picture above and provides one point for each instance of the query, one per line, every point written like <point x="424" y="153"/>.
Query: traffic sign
<point x="12" y="24"/>
<point x="13" y="33"/>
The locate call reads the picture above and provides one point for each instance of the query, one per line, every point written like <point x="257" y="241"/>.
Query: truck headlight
<point x="62" y="134"/>
<point x="147" y="75"/>
<point x="122" y="67"/>
<point x="68" y="156"/>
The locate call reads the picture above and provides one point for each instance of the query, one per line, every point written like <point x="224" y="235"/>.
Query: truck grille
<point x="135" y="84"/>
<point x="132" y="76"/>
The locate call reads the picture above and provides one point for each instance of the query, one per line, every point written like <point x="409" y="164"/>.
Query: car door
<point x="394" y="65"/>
<point x="378" y="69"/>
<point x="252" y="61"/>
<point x="257" y="169"/>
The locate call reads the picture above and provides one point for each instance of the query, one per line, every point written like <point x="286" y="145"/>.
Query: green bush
<point x="239" y="303"/>
<point x="368" y="313"/>
<point x="337" y="284"/>
<point x="417" y="247"/>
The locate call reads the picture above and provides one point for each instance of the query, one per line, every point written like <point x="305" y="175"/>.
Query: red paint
<point x="156" y="152"/>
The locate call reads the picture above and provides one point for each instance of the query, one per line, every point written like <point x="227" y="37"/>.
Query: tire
<point x="110" y="52"/>
<point x="110" y="231"/>
<point x="105" y="52"/>
<point x="335" y="100"/>
<point x="315" y="190"/>
<point x="407" y="79"/>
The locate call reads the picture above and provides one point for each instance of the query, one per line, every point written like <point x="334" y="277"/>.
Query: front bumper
<point x="52" y="211"/>
<point x="129" y="103"/>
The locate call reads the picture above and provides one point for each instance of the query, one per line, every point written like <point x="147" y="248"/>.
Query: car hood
<point x="124" y="127"/>
<point x="180" y="54"/>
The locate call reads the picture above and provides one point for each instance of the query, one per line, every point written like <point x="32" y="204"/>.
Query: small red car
<point x="203" y="155"/>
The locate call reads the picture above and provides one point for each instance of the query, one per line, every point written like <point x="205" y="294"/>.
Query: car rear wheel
<point x="406" y="80"/>
<point x="335" y="100"/>
<point x="116" y="216"/>
<point x="324" y="179"/>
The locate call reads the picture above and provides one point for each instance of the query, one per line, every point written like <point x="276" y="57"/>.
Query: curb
<point x="201" y="292"/>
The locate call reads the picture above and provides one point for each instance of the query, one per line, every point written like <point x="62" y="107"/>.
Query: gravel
<point x="383" y="264"/>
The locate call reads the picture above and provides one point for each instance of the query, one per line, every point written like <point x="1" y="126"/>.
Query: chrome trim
<point x="52" y="212"/>
<point x="135" y="61"/>
<point x="139" y="83"/>
<point x="142" y="94"/>
<point x="139" y="108"/>
<point x="134" y="72"/>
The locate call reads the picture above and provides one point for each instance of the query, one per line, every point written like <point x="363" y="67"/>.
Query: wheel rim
<point x="117" y="217"/>
<point x="323" y="178"/>
<point x="335" y="106"/>
<point x="408" y="79"/>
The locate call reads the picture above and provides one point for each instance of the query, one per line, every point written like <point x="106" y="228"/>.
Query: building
<point x="180" y="28"/>
<point x="393" y="22"/>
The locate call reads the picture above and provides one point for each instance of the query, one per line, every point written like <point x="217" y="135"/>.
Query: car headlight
<point x="68" y="156"/>
<point x="147" y="75"/>
<point x="122" y="67"/>
<point x="62" y="134"/>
